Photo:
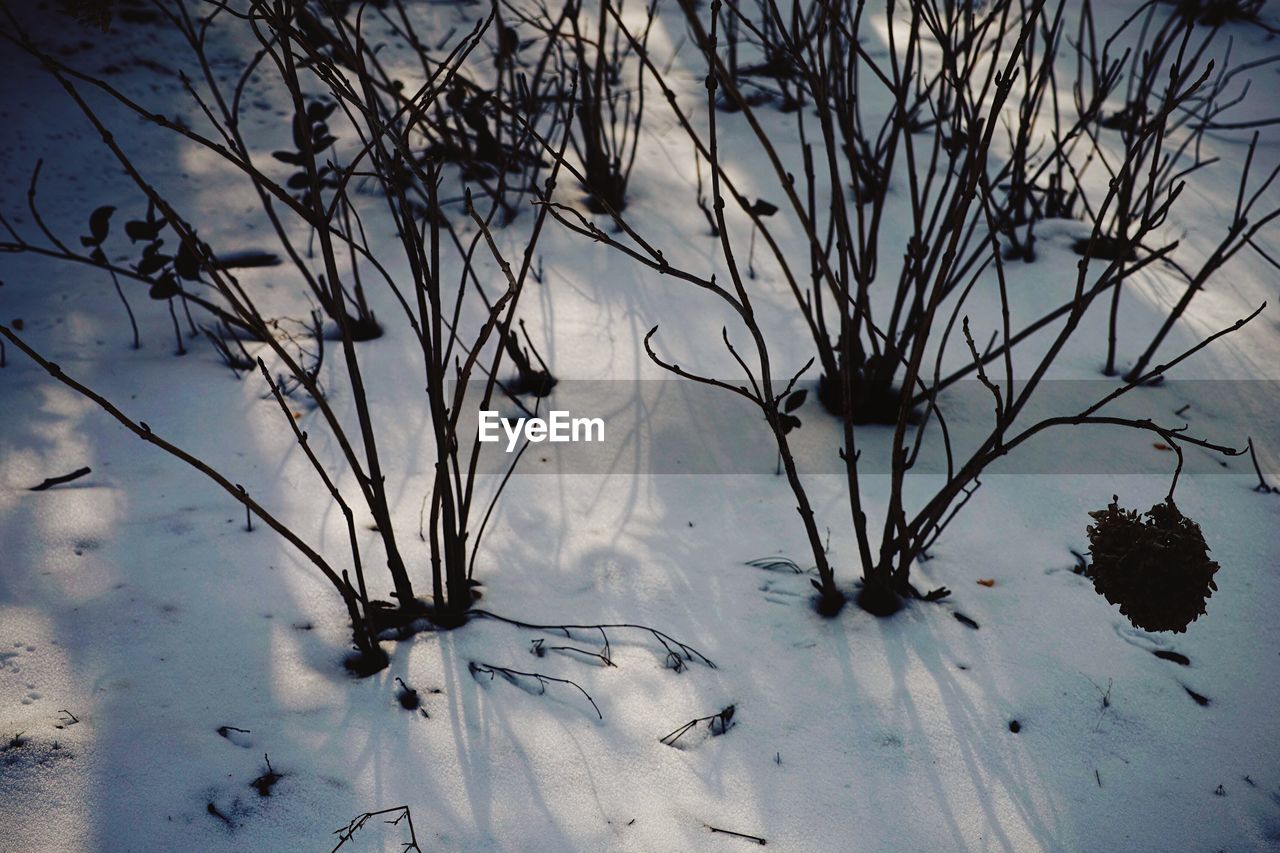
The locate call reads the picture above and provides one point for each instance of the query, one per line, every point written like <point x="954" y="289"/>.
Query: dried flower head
<point x="1157" y="567"/>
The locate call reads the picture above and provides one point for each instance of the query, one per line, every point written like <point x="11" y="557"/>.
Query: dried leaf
<point x="99" y="223"/>
<point x="763" y="208"/>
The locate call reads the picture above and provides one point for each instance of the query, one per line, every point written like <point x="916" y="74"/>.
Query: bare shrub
<point x="306" y="57"/>
<point x="951" y="72"/>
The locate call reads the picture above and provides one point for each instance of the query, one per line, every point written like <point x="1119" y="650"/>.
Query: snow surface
<point x="134" y="602"/>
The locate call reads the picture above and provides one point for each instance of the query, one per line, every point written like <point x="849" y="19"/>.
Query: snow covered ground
<point x="155" y="656"/>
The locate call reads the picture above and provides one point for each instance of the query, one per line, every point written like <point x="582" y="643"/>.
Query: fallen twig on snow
<point x="358" y="822"/>
<point x="757" y="839"/>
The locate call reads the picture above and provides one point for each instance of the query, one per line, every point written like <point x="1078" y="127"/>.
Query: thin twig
<point x="65" y="478"/>
<point x="1263" y="487"/>
<point x="478" y="668"/>
<point x="685" y="651"/>
<point x="757" y="839"/>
